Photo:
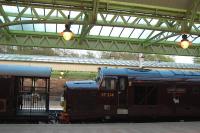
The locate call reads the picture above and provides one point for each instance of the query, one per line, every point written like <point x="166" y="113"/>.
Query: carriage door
<point x="122" y="95"/>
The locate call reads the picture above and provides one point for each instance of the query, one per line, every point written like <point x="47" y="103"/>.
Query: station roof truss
<point x="139" y="26"/>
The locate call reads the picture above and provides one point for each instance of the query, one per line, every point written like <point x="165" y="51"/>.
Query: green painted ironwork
<point x="91" y="13"/>
<point x="96" y="43"/>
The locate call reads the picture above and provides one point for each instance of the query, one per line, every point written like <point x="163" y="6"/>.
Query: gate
<point x="32" y="96"/>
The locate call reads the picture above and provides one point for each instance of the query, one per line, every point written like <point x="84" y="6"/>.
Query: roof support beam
<point x="169" y="26"/>
<point x="2" y="12"/>
<point x="168" y="20"/>
<point x="191" y="15"/>
<point x="195" y="7"/>
<point x="95" y="43"/>
<point x="5" y="31"/>
<point x="152" y="38"/>
<point x="161" y="39"/>
<point x="110" y="6"/>
<point x="86" y="27"/>
<point x="89" y="20"/>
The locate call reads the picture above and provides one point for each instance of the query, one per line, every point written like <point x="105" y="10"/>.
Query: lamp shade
<point x="184" y="42"/>
<point x="67" y="33"/>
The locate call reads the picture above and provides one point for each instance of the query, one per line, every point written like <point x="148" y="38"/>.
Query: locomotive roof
<point x="29" y="71"/>
<point x="146" y="74"/>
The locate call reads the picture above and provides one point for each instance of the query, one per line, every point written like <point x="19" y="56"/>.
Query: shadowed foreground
<point x="165" y="127"/>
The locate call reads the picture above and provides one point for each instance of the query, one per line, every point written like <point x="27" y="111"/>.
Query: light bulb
<point x="185" y="44"/>
<point x="68" y="35"/>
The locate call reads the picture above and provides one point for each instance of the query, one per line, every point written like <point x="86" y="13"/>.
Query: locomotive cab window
<point x="108" y="84"/>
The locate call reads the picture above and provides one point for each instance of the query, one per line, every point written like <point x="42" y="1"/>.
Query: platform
<point x="163" y="127"/>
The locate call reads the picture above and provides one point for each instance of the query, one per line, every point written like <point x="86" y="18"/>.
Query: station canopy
<point x="137" y="26"/>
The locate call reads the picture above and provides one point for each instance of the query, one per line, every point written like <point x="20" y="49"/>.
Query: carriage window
<point x="196" y="90"/>
<point x="122" y="83"/>
<point x="108" y="84"/>
<point x="145" y="95"/>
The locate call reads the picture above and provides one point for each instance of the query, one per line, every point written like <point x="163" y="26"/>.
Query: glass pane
<point x="10" y="9"/>
<point x="179" y="38"/>
<point x="39" y="27"/>
<point x="119" y="19"/>
<point x="165" y="34"/>
<point x="106" y="31"/>
<point x="99" y="17"/>
<point x="60" y="28"/>
<point x="50" y="27"/>
<point x="154" y="34"/>
<point x="21" y="8"/>
<point x="109" y="17"/>
<point x="116" y="31"/>
<point x="136" y="33"/>
<point x="11" y="18"/>
<point x="126" y="32"/>
<point x="54" y="13"/>
<point x="196" y="40"/>
<point x="74" y="28"/>
<point x="47" y="11"/>
<point x="172" y="38"/>
<point x="65" y="12"/>
<point x="142" y="22"/>
<point x="40" y="11"/>
<point x="2" y="19"/>
<point x="163" y="25"/>
<point x="154" y="22"/>
<point x="73" y="14"/>
<point x="28" y="11"/>
<point x="28" y="27"/>
<point x="131" y="19"/>
<point x="95" y="30"/>
<point x="190" y="38"/>
<point x="15" y="27"/>
<point x="145" y="34"/>
<point x="127" y="18"/>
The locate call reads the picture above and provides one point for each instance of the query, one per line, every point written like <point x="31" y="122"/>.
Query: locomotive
<point x="119" y="93"/>
<point x="116" y="93"/>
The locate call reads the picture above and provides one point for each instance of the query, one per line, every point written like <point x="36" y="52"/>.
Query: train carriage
<point x="24" y="93"/>
<point x="133" y="93"/>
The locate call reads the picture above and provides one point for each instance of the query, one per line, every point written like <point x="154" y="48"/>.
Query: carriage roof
<point x="29" y="71"/>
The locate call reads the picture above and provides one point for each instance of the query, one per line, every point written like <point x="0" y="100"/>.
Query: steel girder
<point x="166" y="20"/>
<point x="162" y="24"/>
<point x="94" y="43"/>
<point x="109" y="6"/>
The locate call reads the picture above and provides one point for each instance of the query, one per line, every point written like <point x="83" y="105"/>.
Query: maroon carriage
<point x="24" y="93"/>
